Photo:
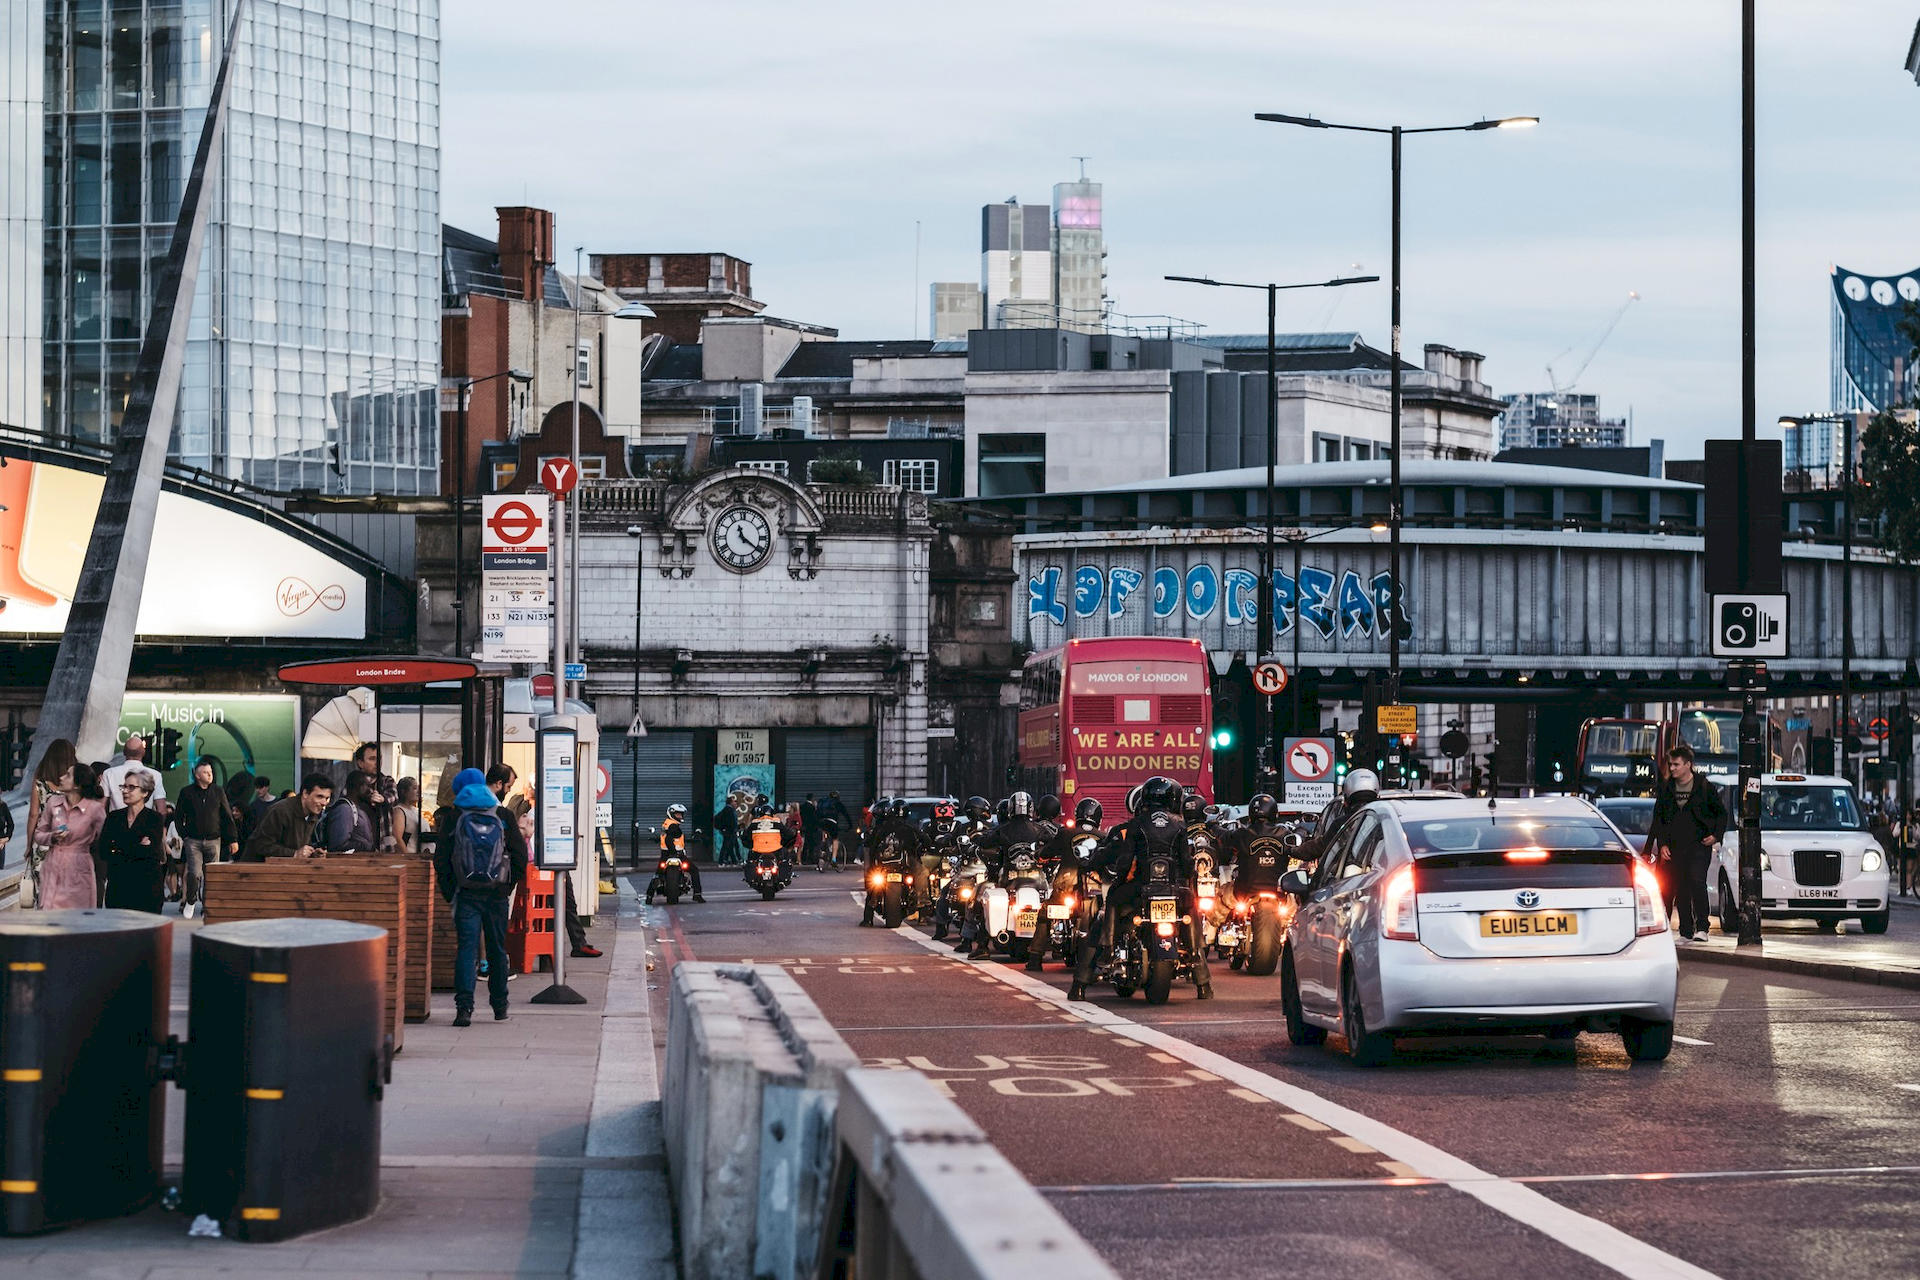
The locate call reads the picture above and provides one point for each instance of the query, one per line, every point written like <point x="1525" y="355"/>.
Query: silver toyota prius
<point x="1435" y="913"/>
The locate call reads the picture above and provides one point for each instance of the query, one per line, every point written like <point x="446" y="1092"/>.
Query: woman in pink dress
<point x="69" y="820"/>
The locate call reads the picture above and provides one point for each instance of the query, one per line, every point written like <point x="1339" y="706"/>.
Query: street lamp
<point x="1394" y="500"/>
<point x="639" y="535"/>
<point x="467" y="385"/>
<point x="1265" y="596"/>
<point x="1846" y="572"/>
<point x="1299" y="538"/>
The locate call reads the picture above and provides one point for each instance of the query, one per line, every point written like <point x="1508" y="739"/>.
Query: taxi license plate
<point x="1528" y="924"/>
<point x="1816" y="893"/>
<point x="893" y="877"/>
<point x="1026" y="920"/>
<point x="1057" y="911"/>
<point x="1162" y="910"/>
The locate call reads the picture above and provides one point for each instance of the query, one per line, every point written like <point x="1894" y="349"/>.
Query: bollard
<point x="84" y="1018"/>
<point x="284" y="1076"/>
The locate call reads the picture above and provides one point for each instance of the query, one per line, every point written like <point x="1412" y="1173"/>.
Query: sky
<point x="823" y="140"/>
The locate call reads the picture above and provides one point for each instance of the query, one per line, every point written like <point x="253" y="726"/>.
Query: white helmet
<point x="676" y="811"/>
<point x="1361" y="785"/>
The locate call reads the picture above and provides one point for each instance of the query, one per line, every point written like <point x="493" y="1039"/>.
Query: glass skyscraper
<point x="21" y="60"/>
<point x="314" y="359"/>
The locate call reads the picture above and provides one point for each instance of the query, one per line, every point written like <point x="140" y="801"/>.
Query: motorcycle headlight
<point x="966" y="893"/>
<point x="1872" y="860"/>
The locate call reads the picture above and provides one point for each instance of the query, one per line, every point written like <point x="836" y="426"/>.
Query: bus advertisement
<point x="1100" y="716"/>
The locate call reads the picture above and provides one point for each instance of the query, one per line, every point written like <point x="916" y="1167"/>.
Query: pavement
<point x="1891" y="959"/>
<point x="1190" y="1138"/>
<point x="529" y="1148"/>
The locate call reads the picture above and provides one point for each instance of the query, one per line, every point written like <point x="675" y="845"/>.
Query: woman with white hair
<point x="133" y="846"/>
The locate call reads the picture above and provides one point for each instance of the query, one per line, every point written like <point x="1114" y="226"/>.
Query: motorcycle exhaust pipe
<point x="1004" y="936"/>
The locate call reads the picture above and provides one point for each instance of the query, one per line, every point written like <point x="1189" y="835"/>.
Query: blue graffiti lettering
<point x="1316" y="599"/>
<point x="1089" y="589"/>
<point x="1356" y="611"/>
<point x="1121" y="583"/>
<point x="1382" y="586"/>
<point x="1166" y="591"/>
<point x="1043" y="596"/>
<point x="1282" y="602"/>
<point x="1242" y="606"/>
<point x="1203" y="591"/>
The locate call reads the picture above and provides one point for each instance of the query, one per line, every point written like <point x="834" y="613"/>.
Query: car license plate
<point x="1528" y="924"/>
<point x="893" y="877"/>
<point x="1162" y="910"/>
<point x="1057" y="911"/>
<point x="1024" y="922"/>
<point x="1817" y="893"/>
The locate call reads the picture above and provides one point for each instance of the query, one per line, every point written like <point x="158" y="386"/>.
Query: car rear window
<point x="1493" y="833"/>
<point x="1534" y="868"/>
<point x="1634" y="819"/>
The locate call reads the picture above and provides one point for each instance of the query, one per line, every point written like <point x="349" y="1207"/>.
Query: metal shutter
<point x="665" y="760"/>
<point x="824" y="760"/>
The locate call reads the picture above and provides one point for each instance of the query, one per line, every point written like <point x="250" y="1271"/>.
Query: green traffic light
<point x="1222" y="739"/>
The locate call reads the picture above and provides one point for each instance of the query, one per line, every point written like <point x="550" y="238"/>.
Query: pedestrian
<point x="206" y="830"/>
<point x="1689" y="820"/>
<point x="408" y="808"/>
<point x="477" y="864"/>
<point x="132" y="844"/>
<point x="287" y="828"/>
<point x="135" y="753"/>
<point x="809" y="828"/>
<point x="240" y="793"/>
<point x="347" y="826"/>
<point x="835" y="822"/>
<point x="383" y="796"/>
<point x="500" y="779"/>
<point x="70" y="818"/>
<point x="726" y="830"/>
<point x="263" y="799"/>
<point x="59" y="758"/>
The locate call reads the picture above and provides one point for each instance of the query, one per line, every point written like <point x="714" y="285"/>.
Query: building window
<point x="922" y="475"/>
<point x="1012" y="464"/>
<point x="1326" y="448"/>
<point x="583" y="363"/>
<point x="593" y="466"/>
<point x="776" y="465"/>
<point x="1359" y="450"/>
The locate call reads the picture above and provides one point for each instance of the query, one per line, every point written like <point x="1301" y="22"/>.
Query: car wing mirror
<point x="1297" y="883"/>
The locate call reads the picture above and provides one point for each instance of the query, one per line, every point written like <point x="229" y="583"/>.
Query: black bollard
<point x="82" y="1027"/>
<point x="286" y="1070"/>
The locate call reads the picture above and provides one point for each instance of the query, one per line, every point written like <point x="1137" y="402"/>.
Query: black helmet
<point x="1048" y="809"/>
<point x="1160" y="793"/>
<point x="1133" y="798"/>
<point x="763" y="810"/>
<point x="1193" y="805"/>
<point x="1020" y="804"/>
<point x="1000" y="811"/>
<point x="977" y="809"/>
<point x="882" y="807"/>
<point x="1087" y="814"/>
<point x="1263" y="807"/>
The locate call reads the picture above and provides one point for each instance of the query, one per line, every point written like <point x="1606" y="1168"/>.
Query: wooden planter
<point x="366" y="889"/>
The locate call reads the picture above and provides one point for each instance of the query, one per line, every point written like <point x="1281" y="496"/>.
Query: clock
<point x="1855" y="288"/>
<point x="741" y="539"/>
<point x="1882" y="293"/>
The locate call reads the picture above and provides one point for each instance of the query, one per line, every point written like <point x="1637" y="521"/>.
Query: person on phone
<point x="69" y="820"/>
<point x="286" y="830"/>
<point x="1689" y="821"/>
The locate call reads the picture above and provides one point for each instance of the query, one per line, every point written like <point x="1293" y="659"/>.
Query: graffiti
<point x="1327" y="603"/>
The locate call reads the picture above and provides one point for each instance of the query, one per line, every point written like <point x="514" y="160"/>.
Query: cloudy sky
<point x="810" y="138"/>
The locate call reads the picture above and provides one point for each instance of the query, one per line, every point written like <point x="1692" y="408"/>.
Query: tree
<point x="1889" y="491"/>
<point x="841" y="468"/>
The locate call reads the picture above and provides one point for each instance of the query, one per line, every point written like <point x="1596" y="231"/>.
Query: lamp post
<point x="1394" y="500"/>
<point x="1265" y="595"/>
<point x="467" y="385"/>
<point x="639" y="536"/>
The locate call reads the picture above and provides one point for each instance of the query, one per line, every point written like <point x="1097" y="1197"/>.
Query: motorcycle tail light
<point x="1399" y="915"/>
<point x="1067" y="902"/>
<point x="1242" y="908"/>
<point x="877" y="879"/>
<point x="966" y="893"/>
<point x="1206" y="904"/>
<point x="1165" y="929"/>
<point x="1649" y="908"/>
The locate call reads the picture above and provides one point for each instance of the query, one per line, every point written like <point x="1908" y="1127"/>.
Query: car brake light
<point x="1399" y="915"/>
<point x="1649" y="908"/>
<point x="1527" y="855"/>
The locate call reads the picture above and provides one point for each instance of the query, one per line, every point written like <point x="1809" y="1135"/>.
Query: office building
<point x="314" y="357"/>
<point x="1566" y="420"/>
<point x="1016" y="265"/>
<point x="954" y="311"/>
<point x="1871" y="359"/>
<point x="22" y="64"/>
<point x="1079" y="256"/>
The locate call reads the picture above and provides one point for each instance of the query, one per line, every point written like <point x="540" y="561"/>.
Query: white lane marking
<point x="1701" y="1044"/>
<point x="1354" y="1145"/>
<point x="1607" y="1245"/>
<point x="1246" y="1095"/>
<point x="1910" y="1088"/>
<point x="1293" y="1117"/>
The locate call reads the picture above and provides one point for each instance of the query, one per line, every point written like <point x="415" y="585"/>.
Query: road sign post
<point x="1306" y="771"/>
<point x="515" y="605"/>
<point x="557" y="835"/>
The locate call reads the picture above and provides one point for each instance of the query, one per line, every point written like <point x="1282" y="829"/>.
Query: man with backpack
<point x="478" y="862"/>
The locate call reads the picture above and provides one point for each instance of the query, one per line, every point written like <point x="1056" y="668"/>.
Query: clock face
<point x="742" y="539"/>
<point x="1882" y="293"/>
<point x="1855" y="288"/>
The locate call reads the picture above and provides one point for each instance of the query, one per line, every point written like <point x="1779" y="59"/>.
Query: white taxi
<point x="1817" y="860"/>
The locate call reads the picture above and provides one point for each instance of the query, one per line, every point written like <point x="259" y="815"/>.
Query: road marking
<point x="1414" y="1179"/>
<point x="1294" y="1117"/>
<point x="1910" y="1088"/>
<point x="1399" y="1170"/>
<point x="1248" y="1095"/>
<point x="1700" y="1044"/>
<point x="1163" y="1057"/>
<point x="1354" y="1145"/>
<point x="1605" y="1244"/>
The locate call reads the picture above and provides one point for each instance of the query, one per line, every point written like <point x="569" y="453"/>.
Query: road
<point x="1192" y="1139"/>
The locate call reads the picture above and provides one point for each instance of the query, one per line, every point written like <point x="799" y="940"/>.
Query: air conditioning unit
<point x="803" y="415"/>
<point x="753" y="409"/>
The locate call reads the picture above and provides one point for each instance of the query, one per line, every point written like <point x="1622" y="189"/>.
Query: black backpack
<point x="480" y="851"/>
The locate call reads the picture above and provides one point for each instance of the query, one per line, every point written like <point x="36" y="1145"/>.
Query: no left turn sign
<point x="1309" y="760"/>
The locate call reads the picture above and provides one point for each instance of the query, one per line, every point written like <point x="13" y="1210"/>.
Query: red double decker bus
<point x="1100" y="716"/>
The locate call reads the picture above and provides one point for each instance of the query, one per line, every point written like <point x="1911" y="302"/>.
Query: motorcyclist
<point x="1046" y="811"/>
<point x="936" y="839"/>
<point x="1361" y="786"/>
<point x="767" y="833"/>
<point x="1262" y="853"/>
<point x="1061" y="854"/>
<point x="673" y="839"/>
<point x="1156" y="830"/>
<point x="1018" y="829"/>
<point x="893" y="841"/>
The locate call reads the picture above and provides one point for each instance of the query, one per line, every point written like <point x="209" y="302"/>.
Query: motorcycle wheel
<point x="1124" y="990"/>
<point x="892" y="909"/>
<point x="1299" y="1030"/>
<point x="1237" y="960"/>
<point x="1264" y="954"/>
<point x="1159" y="981"/>
<point x="766" y="895"/>
<point x="673" y="897"/>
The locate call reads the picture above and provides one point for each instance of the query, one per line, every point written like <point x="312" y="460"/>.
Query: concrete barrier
<point x="752" y="1071"/>
<point x="918" y="1191"/>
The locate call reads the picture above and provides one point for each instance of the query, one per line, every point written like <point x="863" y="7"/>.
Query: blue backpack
<point x="480" y="851"/>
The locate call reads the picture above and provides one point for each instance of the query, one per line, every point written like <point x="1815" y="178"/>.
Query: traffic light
<point x="1342" y="754"/>
<point x="1226" y="730"/>
<point x="169" y="750"/>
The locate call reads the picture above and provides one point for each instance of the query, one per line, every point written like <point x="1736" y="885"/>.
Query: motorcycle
<point x="1152" y="948"/>
<point x="1064" y="906"/>
<point x="1010" y="910"/>
<point x="966" y="873"/>
<point x="673" y="877"/>
<point x="1259" y="922"/>
<point x="892" y="882"/>
<point x="766" y="876"/>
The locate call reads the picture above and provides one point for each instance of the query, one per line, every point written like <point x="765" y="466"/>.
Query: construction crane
<point x="1562" y="388"/>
